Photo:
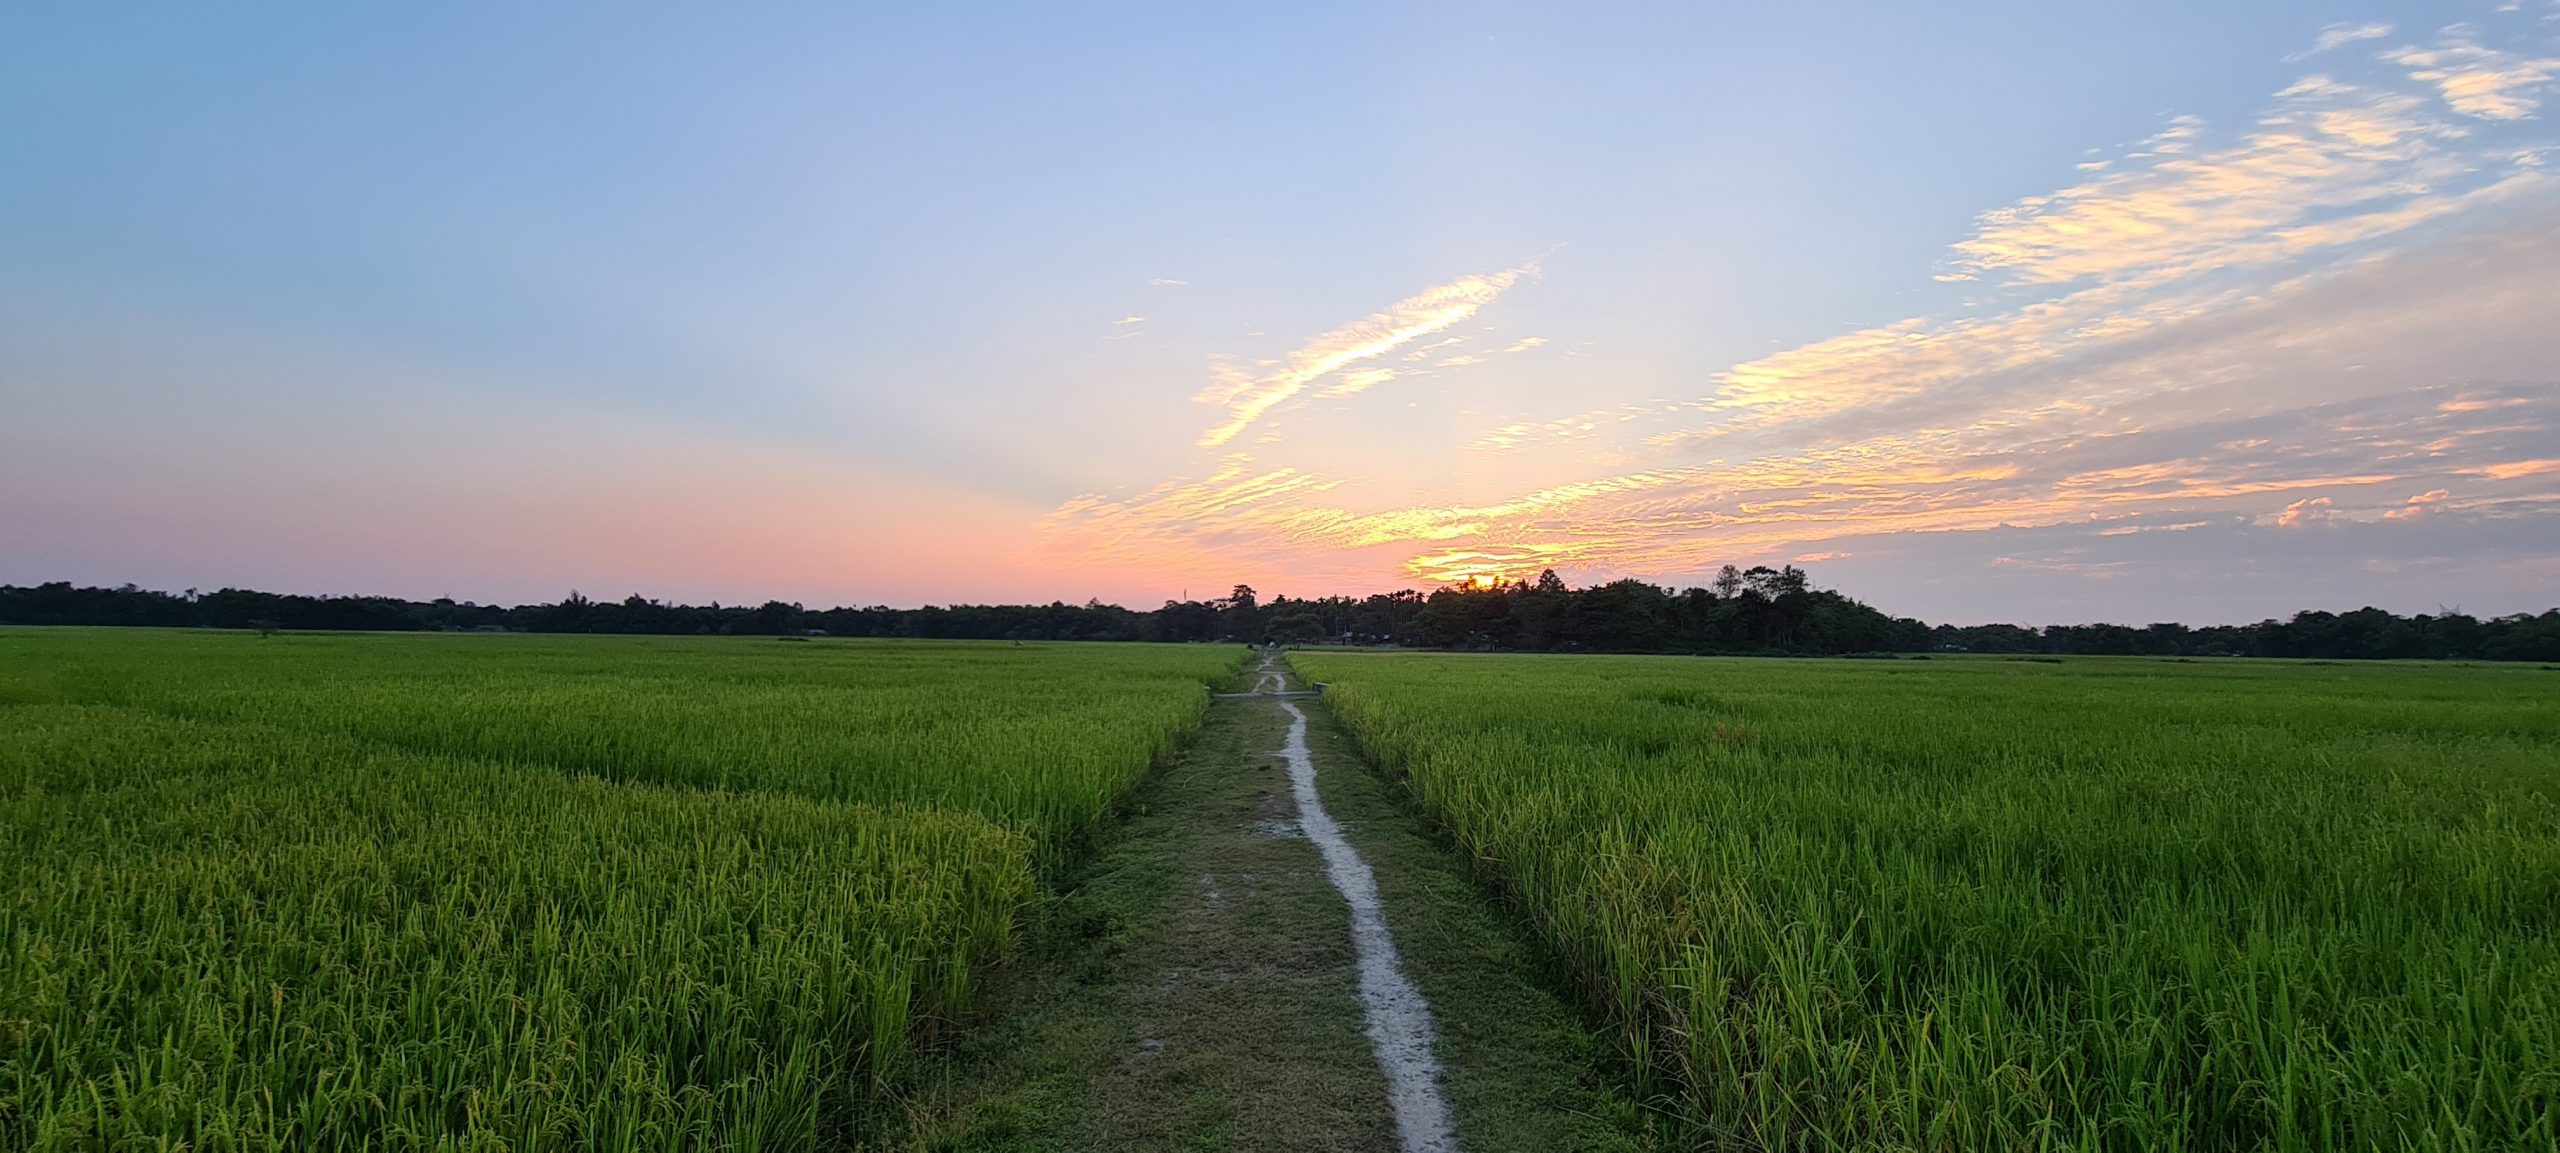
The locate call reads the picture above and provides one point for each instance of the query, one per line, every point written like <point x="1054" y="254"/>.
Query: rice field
<point x="1981" y="904"/>
<point x="477" y="892"/>
<point x="483" y="892"/>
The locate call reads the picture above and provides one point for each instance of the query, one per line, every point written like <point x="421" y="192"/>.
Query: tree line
<point x="1742" y="611"/>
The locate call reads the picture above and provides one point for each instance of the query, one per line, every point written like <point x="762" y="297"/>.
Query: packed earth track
<point x="1274" y="952"/>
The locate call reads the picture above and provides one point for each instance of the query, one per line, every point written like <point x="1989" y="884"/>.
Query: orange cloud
<point x="2419" y="505"/>
<point x="2022" y="415"/>
<point x="2514" y="469"/>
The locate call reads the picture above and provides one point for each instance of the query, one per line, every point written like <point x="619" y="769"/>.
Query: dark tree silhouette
<point x="1761" y="610"/>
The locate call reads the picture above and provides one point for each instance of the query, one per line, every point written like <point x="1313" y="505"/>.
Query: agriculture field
<point x="1974" y="904"/>
<point x="485" y="891"/>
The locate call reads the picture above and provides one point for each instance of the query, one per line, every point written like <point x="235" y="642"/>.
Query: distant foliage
<point x="1758" y="610"/>
<point x="2365" y="634"/>
<point x="1761" y="610"/>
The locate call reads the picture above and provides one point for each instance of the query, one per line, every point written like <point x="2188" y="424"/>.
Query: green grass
<point x="1972" y="904"/>
<point x="485" y="892"/>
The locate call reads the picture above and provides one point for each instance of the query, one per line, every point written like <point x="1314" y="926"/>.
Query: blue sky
<point x="2047" y="312"/>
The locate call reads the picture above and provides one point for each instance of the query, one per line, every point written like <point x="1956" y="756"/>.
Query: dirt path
<point x="1399" y="1017"/>
<point x="1214" y="988"/>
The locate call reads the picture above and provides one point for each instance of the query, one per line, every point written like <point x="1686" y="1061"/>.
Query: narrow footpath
<point x="1272" y="953"/>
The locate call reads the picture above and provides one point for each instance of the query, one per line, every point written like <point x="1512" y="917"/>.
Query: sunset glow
<point x="2187" y="312"/>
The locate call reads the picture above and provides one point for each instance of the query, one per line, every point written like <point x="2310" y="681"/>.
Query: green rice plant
<point x="1971" y="904"/>
<point x="284" y="942"/>
<point x="491" y="892"/>
<point x="1041" y="736"/>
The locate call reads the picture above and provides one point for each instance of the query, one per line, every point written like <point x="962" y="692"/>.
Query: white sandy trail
<point x="1399" y="1020"/>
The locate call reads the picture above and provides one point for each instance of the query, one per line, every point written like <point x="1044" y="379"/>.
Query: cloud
<point x="2319" y="463"/>
<point x="1357" y="381"/>
<point x="1525" y="343"/>
<point x="1567" y="428"/>
<point x="2184" y="227"/>
<point x="2329" y="163"/>
<point x="1131" y="320"/>
<point x="2223" y="570"/>
<point x="1424" y="351"/>
<point x="2248" y="443"/>
<point x="2477" y="80"/>
<point x="2339" y="36"/>
<point x="1168" y="282"/>
<point x="2480" y="404"/>
<point x="2517" y="469"/>
<point x="2218" y="333"/>
<point x="2419" y="505"/>
<point x="2303" y="512"/>
<point x="1410" y="319"/>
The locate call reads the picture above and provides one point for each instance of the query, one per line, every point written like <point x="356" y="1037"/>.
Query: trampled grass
<point x="466" y="892"/>
<point x="2102" y="904"/>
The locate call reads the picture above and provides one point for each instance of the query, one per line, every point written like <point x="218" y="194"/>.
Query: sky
<point x="2027" y="312"/>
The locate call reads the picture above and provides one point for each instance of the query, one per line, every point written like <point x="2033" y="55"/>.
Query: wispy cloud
<point x="2476" y="80"/>
<point x="2182" y="227"/>
<point x="2517" y="469"/>
<point x="1579" y="424"/>
<point x="1431" y="311"/>
<point x="2330" y="163"/>
<point x="2328" y="459"/>
<point x="2299" y="320"/>
<point x="1167" y="282"/>
<point x="1357" y="381"/>
<point x="2339" y="36"/>
<point x="2286" y="470"/>
<point x="1422" y="352"/>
